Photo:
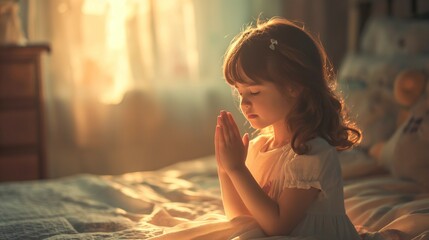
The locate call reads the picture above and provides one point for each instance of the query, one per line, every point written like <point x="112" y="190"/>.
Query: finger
<point x="234" y="128"/>
<point x="233" y="124"/>
<point x="230" y="126"/>
<point x="225" y="129"/>
<point x="217" y="134"/>
<point x="246" y="141"/>
<point x="221" y="140"/>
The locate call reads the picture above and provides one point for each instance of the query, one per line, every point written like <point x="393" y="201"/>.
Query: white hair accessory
<point x="273" y="43"/>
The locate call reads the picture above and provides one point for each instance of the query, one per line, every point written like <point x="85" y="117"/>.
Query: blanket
<point x="183" y="201"/>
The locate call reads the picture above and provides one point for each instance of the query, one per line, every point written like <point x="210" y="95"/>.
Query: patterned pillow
<point x="366" y="81"/>
<point x="395" y="36"/>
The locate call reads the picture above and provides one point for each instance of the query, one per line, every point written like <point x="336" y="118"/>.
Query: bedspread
<point x="183" y="201"/>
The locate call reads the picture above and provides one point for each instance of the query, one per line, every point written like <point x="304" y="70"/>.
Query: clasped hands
<point x="230" y="147"/>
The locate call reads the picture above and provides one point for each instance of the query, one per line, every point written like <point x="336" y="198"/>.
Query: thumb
<point x="246" y="141"/>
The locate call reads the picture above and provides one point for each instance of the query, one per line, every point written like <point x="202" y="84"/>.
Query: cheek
<point x="279" y="107"/>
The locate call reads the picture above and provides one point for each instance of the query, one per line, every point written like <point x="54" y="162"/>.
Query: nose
<point x="244" y="102"/>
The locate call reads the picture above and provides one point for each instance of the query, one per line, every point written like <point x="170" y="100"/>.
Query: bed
<point x="182" y="201"/>
<point x="130" y="206"/>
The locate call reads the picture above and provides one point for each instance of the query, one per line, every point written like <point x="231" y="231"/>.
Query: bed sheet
<point x="182" y="201"/>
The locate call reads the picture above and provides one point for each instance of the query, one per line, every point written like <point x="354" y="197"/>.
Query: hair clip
<point x="273" y="43"/>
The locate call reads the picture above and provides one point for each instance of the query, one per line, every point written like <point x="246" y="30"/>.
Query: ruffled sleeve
<point x="315" y="169"/>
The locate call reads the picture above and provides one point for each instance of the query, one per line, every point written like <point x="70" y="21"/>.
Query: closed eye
<point x="253" y="93"/>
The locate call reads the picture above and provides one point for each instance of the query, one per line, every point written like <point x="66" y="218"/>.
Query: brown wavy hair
<point x="298" y="61"/>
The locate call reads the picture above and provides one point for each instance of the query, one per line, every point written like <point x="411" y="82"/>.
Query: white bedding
<point x="182" y="202"/>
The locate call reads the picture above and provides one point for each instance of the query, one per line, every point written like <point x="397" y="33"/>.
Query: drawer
<point x="18" y="127"/>
<point x="17" y="79"/>
<point x="19" y="167"/>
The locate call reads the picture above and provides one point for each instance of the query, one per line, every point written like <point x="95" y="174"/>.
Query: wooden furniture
<point x="22" y="147"/>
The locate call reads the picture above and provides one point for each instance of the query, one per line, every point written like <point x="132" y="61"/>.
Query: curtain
<point x="327" y="19"/>
<point x="135" y="85"/>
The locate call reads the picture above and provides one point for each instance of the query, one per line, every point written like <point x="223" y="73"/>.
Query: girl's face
<point x="263" y="104"/>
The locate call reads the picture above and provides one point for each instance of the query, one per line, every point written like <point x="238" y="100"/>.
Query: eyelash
<point x="251" y="93"/>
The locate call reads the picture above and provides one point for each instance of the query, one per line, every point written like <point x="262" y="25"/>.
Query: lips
<point x="251" y="116"/>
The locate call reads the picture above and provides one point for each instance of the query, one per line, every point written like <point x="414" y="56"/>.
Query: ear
<point x="294" y="91"/>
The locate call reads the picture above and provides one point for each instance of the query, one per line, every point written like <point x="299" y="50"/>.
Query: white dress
<point x="275" y="170"/>
<point x="282" y="168"/>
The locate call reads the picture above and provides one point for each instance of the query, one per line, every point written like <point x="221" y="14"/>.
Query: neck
<point x="281" y="137"/>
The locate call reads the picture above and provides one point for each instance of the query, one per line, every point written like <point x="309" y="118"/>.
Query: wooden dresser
<point x="22" y="145"/>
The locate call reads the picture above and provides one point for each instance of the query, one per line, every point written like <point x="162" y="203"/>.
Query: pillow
<point x="368" y="99"/>
<point x="357" y="163"/>
<point x="367" y="85"/>
<point x="395" y="36"/>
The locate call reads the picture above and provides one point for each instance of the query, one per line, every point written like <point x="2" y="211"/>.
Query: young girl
<point x="288" y="178"/>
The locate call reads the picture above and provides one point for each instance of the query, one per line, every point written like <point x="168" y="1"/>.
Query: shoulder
<point x="319" y="168"/>
<point x="318" y="146"/>
<point x="321" y="154"/>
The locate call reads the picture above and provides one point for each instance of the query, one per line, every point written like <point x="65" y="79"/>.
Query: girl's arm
<point x="275" y="218"/>
<point x="232" y="203"/>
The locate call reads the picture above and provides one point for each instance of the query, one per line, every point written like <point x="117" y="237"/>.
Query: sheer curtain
<point x="135" y="84"/>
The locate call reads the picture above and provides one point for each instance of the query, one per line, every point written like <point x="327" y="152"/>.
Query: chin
<point x="257" y="125"/>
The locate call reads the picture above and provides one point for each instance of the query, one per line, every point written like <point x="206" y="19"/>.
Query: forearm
<point x="232" y="202"/>
<point x="259" y="204"/>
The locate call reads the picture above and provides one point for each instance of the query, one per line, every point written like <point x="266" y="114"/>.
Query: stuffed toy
<point x="406" y="153"/>
<point x="409" y="87"/>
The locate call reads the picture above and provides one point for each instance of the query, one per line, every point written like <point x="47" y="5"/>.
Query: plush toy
<point x="406" y="153"/>
<point x="409" y="86"/>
